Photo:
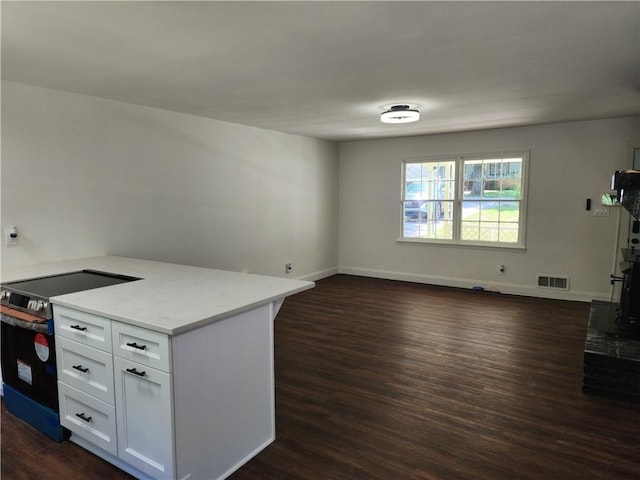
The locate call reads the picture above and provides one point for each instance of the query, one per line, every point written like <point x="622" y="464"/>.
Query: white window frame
<point x="459" y="193"/>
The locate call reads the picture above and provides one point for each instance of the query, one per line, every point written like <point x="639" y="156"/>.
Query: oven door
<point x="29" y="360"/>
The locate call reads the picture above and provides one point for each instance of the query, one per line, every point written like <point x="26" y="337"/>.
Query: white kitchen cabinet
<point x="85" y="368"/>
<point x="88" y="417"/>
<point x="144" y="407"/>
<point x="82" y="327"/>
<point x="85" y="377"/>
<point x="194" y="405"/>
<point x="144" y="417"/>
<point x="209" y="332"/>
<point x="141" y="345"/>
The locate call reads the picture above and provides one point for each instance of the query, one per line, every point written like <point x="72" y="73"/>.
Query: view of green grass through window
<point x="475" y="199"/>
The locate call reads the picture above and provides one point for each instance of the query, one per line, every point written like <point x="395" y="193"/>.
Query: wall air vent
<point x="557" y="282"/>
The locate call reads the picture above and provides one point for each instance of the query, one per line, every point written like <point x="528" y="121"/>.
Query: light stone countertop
<point x="170" y="298"/>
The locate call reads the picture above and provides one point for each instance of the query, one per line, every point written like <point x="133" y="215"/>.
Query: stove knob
<point x="40" y="306"/>
<point x="5" y="295"/>
<point x="31" y="305"/>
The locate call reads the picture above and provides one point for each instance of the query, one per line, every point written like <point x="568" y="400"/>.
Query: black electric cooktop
<point x="46" y="287"/>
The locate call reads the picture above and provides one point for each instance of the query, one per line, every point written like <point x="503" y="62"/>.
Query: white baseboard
<point x="507" y="288"/>
<point x="320" y="274"/>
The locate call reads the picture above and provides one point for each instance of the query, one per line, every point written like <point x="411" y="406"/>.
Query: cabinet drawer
<point x="88" y="417"/>
<point x="142" y="346"/>
<point x="88" y="369"/>
<point x="82" y="327"/>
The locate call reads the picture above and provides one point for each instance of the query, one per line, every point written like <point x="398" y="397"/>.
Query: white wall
<point x="569" y="163"/>
<point x="84" y="176"/>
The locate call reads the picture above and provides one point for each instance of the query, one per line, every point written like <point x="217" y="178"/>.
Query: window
<point x="470" y="199"/>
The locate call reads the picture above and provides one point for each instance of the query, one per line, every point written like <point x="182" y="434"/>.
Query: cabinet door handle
<point x="78" y="327"/>
<point x="83" y="417"/>
<point x="135" y="345"/>
<point x="136" y="372"/>
<point x="79" y="367"/>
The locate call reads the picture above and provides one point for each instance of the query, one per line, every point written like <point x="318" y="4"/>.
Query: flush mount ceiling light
<point x="400" y="114"/>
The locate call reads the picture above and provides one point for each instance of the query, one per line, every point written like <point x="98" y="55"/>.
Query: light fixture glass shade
<point x="400" y="114"/>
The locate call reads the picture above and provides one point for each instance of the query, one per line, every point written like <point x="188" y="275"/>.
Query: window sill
<point x="481" y="246"/>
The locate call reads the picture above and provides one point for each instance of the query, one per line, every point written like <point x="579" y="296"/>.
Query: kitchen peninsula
<point x="170" y="376"/>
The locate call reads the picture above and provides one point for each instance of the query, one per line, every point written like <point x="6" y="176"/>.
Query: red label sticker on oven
<point x="42" y="347"/>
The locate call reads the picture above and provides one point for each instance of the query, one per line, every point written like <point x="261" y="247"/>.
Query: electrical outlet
<point x="501" y="270"/>
<point x="288" y="267"/>
<point x="11" y="236"/>
<point x="600" y="212"/>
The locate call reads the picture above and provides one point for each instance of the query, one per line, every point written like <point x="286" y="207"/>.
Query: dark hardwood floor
<point x="387" y="380"/>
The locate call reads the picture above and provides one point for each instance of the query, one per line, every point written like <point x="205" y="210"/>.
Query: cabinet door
<point x="144" y="417"/>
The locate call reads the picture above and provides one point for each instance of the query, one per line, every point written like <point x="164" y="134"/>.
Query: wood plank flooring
<point x="386" y="380"/>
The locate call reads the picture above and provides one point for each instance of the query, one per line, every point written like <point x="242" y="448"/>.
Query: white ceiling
<point x="328" y="69"/>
